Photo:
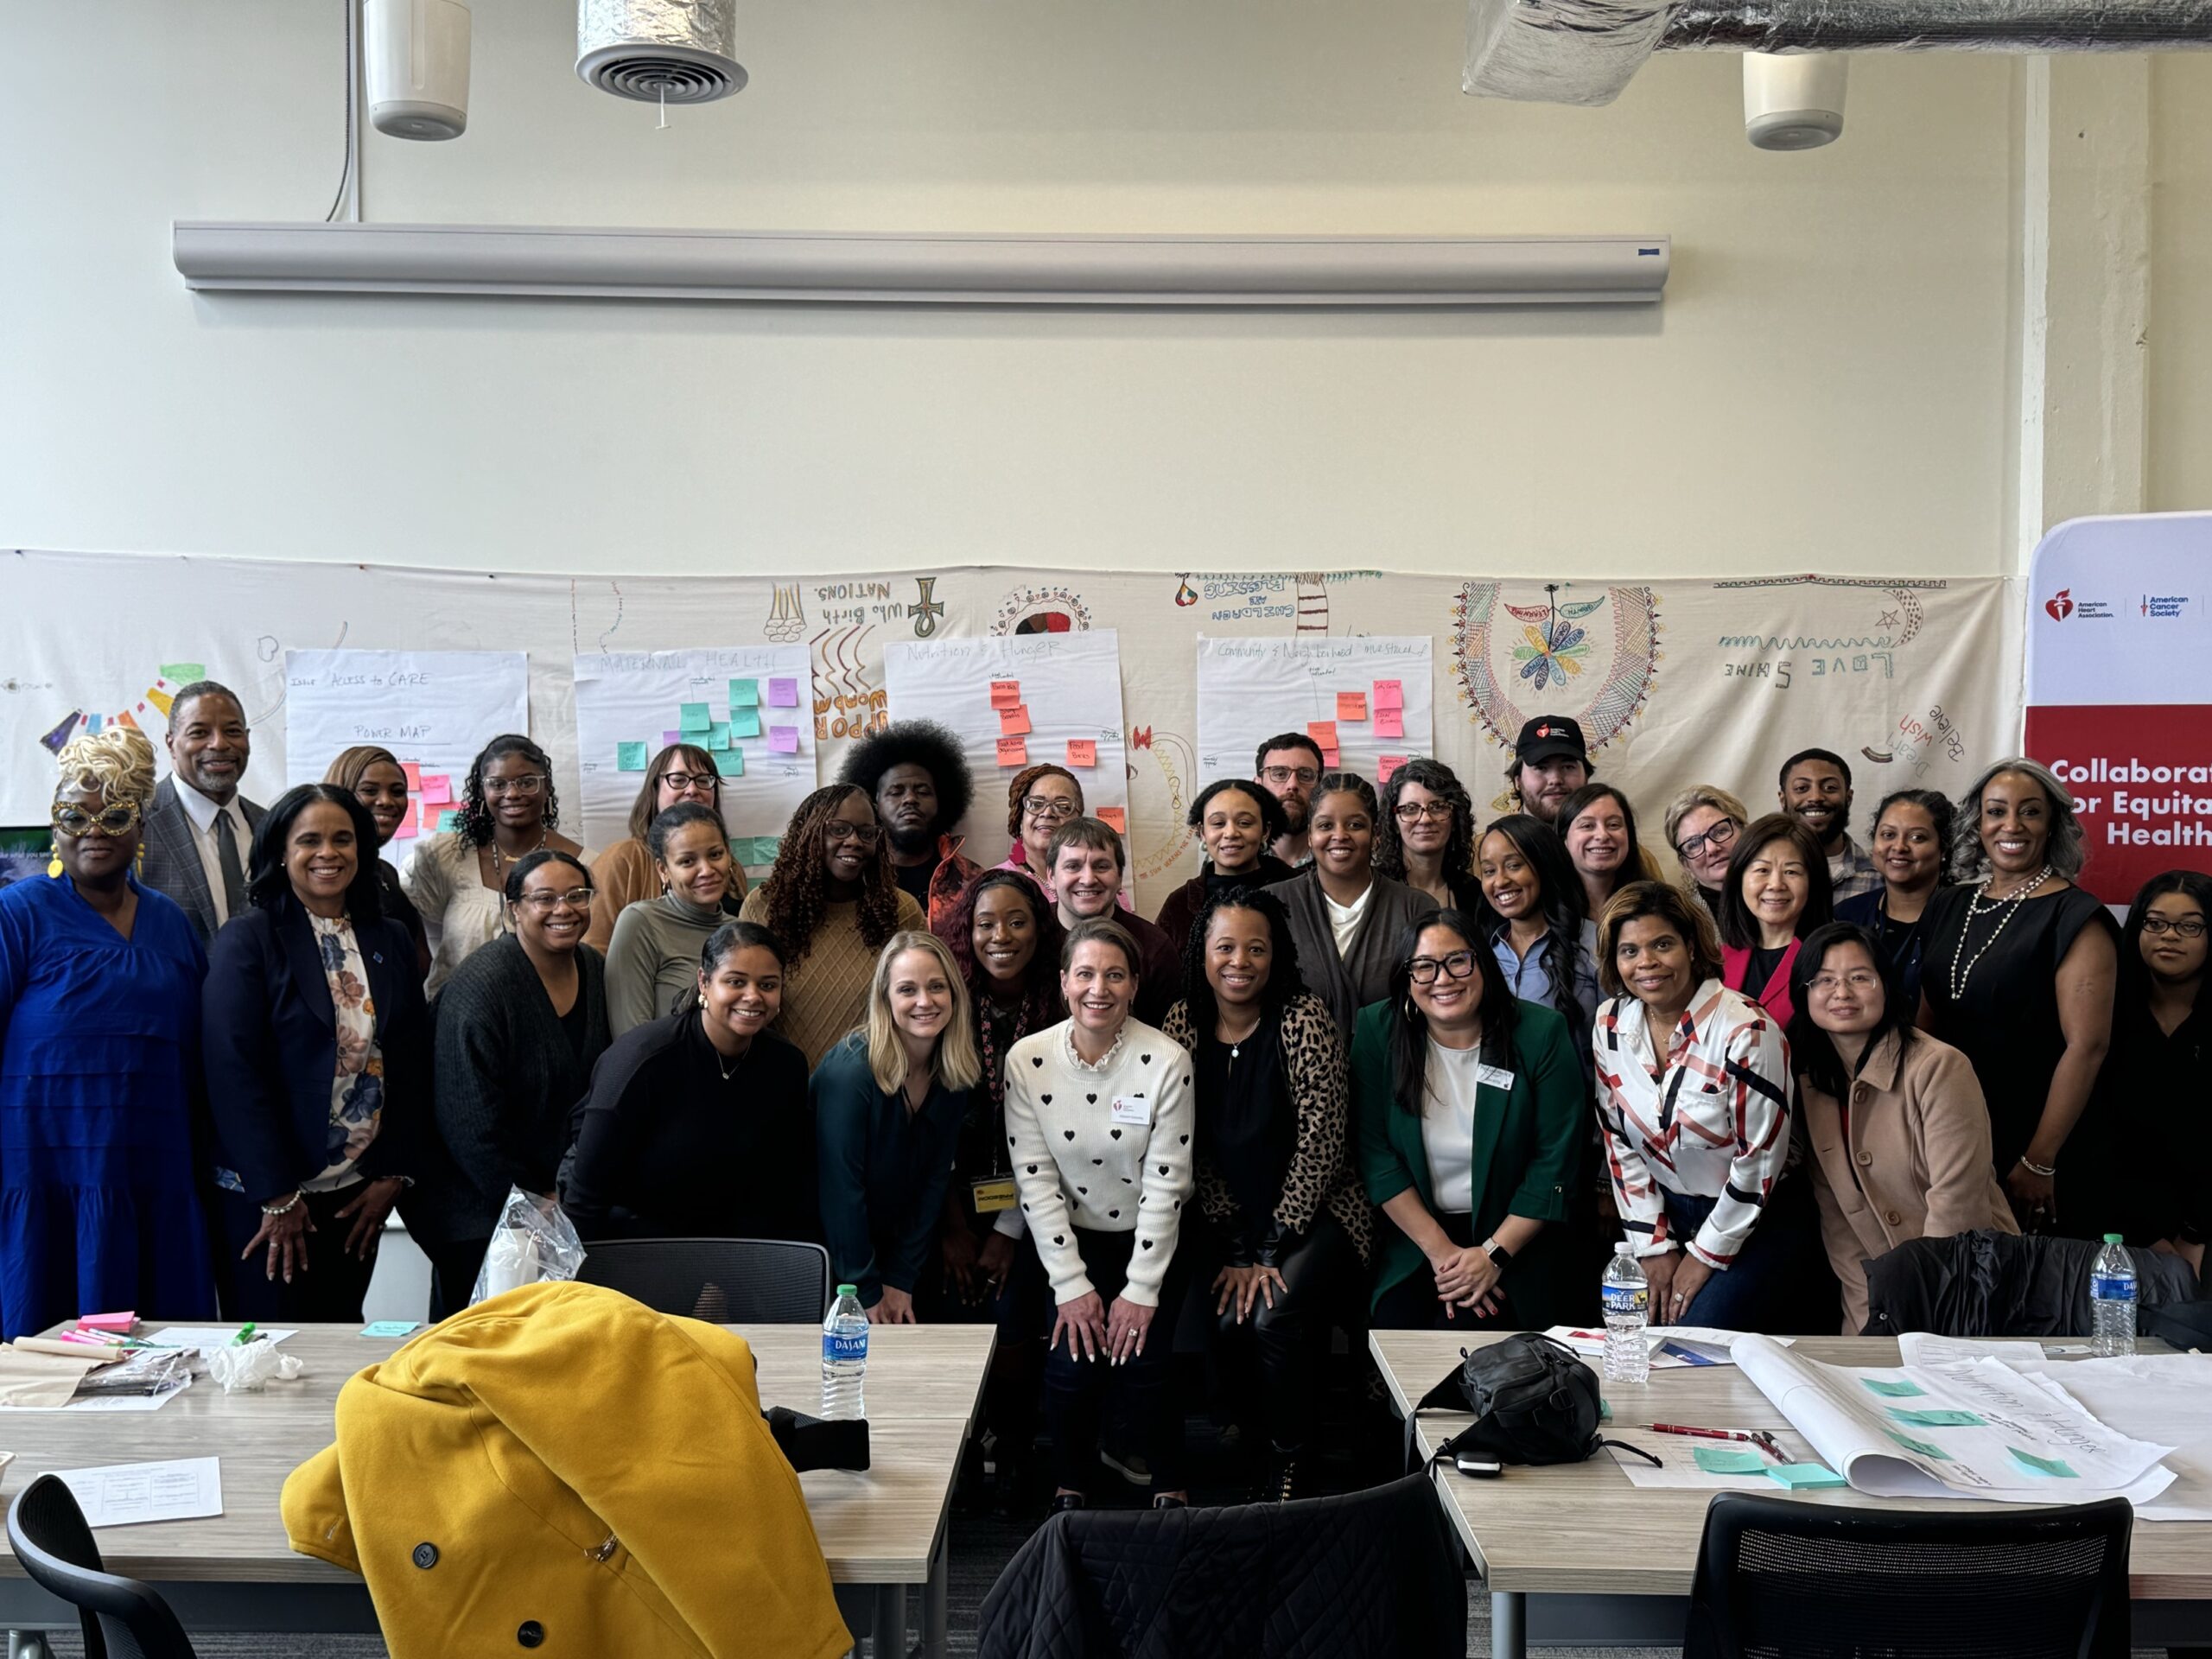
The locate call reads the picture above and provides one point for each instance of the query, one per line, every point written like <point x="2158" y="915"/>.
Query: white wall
<point x="2181" y="314"/>
<point x="1825" y="386"/>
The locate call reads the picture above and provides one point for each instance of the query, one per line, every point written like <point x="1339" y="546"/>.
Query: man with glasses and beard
<point x="1287" y="767"/>
<point x="912" y="770"/>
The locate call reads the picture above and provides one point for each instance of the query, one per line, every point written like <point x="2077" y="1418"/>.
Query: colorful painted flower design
<point x="1554" y="652"/>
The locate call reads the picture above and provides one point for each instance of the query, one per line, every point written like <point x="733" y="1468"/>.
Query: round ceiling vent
<point x="659" y="50"/>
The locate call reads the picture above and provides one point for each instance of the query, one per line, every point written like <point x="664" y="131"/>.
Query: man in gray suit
<point x="199" y="829"/>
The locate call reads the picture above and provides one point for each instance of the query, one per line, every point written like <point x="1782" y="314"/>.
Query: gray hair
<point x="2066" y="852"/>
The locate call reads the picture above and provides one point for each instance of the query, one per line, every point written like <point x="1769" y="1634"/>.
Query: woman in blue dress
<point x="99" y="1058"/>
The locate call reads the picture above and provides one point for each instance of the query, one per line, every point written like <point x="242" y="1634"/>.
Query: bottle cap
<point x="1623" y="1249"/>
<point x="848" y="1290"/>
<point x="2111" y="1238"/>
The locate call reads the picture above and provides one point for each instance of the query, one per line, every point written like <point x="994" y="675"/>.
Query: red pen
<point x="1701" y="1434"/>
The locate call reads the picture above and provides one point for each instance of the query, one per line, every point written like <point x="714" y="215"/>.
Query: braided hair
<point x="796" y="895"/>
<point x="1285" y="984"/>
<point x="474" y="826"/>
<point x="1440" y="780"/>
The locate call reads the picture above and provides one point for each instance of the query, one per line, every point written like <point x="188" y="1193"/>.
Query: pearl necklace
<point x="2004" y="909"/>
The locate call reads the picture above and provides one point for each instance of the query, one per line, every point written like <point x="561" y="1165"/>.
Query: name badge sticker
<point x="1133" y="1108"/>
<point x="992" y="1193"/>
<point x="1494" y="1077"/>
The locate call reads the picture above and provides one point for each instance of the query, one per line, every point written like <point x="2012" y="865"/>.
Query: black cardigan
<point x="508" y="1081"/>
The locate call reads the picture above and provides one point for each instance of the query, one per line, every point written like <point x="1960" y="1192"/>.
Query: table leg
<point x="891" y="1622"/>
<point x="1509" y="1628"/>
<point x="28" y="1644"/>
<point x="937" y="1596"/>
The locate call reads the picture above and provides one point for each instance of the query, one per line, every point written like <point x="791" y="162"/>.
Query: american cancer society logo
<point x="2062" y="604"/>
<point x="2166" y="606"/>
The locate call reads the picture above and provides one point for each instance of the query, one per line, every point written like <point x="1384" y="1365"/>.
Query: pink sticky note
<point x="1082" y="752"/>
<point x="1005" y="693"/>
<point x="1323" y="732"/>
<point x="122" y="1322"/>
<point x="406" y="831"/>
<point x="1330" y="760"/>
<point x="1114" y="818"/>
<point x="670" y="740"/>
<point x="1386" y="766"/>
<point x="783" y="694"/>
<point x="437" y="789"/>
<point x="1389" y="722"/>
<point x="1014" y="721"/>
<point x="784" y="740"/>
<point x="1014" y="752"/>
<point x="413" y="775"/>
<point x="1389" y="694"/>
<point x="1351" y="705"/>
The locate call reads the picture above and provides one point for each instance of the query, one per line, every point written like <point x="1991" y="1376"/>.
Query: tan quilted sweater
<point x="826" y="995"/>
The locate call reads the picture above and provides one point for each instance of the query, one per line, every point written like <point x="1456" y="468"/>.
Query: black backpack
<point x="1534" y="1402"/>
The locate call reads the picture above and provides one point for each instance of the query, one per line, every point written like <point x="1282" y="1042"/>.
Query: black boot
<point x="1282" y="1484"/>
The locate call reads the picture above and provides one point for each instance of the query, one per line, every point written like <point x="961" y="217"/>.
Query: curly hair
<point x="1024" y="781"/>
<point x="474" y="825"/>
<point x="647" y="807"/>
<point x="921" y="743"/>
<point x="1286" y="983"/>
<point x="2066" y="850"/>
<point x="796" y="895"/>
<point x="116" y="760"/>
<point x="1437" y="780"/>
<point x="958" y="931"/>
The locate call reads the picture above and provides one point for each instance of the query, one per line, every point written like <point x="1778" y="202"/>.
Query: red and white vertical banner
<point x="2119" y="690"/>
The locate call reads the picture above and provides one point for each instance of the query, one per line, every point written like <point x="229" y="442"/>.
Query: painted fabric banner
<point x="1675" y="682"/>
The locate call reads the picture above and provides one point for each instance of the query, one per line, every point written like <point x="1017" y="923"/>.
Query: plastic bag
<point x="534" y="1242"/>
<point x="250" y="1367"/>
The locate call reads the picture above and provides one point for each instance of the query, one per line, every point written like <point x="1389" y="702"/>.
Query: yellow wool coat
<point x="562" y="1470"/>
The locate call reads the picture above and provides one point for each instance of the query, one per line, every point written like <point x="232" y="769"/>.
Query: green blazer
<point x="1527" y="1156"/>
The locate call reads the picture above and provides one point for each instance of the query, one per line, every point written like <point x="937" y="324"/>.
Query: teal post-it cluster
<point x="1806" y="1477"/>
<point x="630" y="757"/>
<point x="1936" y="1418"/>
<point x="1899" y="1390"/>
<point x="1728" y="1461"/>
<point x="2051" y="1467"/>
<point x="1924" y="1448"/>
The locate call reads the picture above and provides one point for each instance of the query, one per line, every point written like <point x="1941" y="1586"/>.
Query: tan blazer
<point x="1917" y="1165"/>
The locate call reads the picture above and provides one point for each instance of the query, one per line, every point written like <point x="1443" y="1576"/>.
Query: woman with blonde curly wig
<point x="99" y="1039"/>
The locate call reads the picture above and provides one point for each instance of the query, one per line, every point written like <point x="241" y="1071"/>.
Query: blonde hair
<point x="118" y="761"/>
<point x="1698" y="795"/>
<point x="956" y="1063"/>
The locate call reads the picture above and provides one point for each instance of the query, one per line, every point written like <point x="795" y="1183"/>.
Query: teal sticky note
<point x="729" y="762"/>
<point x="1605" y="1411"/>
<point x="1806" y="1477"/>
<point x="693" y="717"/>
<point x="1728" y="1461"/>
<point x="1921" y="1447"/>
<point x="744" y="694"/>
<point x="390" y="1328"/>
<point x="744" y="722"/>
<point x="1893" y="1390"/>
<point x="1936" y="1418"/>
<point x="2036" y="1465"/>
<point x="449" y="819"/>
<point x="630" y="757"/>
<point x="717" y="737"/>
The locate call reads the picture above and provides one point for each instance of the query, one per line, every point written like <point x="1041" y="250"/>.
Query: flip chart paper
<point x="1253" y="687"/>
<point x="125" y="1494"/>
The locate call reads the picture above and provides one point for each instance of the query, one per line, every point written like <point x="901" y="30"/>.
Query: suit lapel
<point x="169" y="830"/>
<point x="304" y="956"/>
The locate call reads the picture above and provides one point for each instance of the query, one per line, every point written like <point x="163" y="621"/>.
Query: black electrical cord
<point x="345" y="176"/>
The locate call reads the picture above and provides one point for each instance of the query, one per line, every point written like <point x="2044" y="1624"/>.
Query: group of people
<point x="1376" y="1064"/>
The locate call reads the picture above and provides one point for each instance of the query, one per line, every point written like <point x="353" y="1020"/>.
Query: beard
<point x="912" y="843"/>
<point x="1298" y="813"/>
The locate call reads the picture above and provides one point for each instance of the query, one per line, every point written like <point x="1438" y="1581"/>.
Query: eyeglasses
<point x="75" y="822"/>
<point x="1282" y="777"/>
<point x="545" y="903"/>
<point x="680" y="781"/>
<point x="1049" y="806"/>
<point x="1415" y="811"/>
<point x="1860" y="980"/>
<point x="1721" y="835"/>
<point x="2190" y="927"/>
<point x="864" y="834"/>
<point x="531" y="783"/>
<point x="1457" y="965"/>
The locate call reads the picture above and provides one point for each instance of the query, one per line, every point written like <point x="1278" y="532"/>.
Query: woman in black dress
<point x="2017" y="971"/>
<point x="1913" y="832"/>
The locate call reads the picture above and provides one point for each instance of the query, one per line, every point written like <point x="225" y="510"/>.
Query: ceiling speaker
<point x="659" y="50"/>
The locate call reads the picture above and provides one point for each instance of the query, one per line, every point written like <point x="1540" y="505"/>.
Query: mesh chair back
<point x="1779" y="1578"/>
<point x="123" y="1618"/>
<point x="723" y="1280"/>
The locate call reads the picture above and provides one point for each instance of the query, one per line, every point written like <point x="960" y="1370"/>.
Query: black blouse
<point x="1248" y="1124"/>
<point x="2145" y="1175"/>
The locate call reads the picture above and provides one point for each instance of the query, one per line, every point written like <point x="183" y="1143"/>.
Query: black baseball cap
<point x="1550" y="737"/>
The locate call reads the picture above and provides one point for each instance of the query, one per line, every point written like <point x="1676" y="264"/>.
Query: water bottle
<point x="2112" y="1302"/>
<point x="844" y="1357"/>
<point x="1627" y="1296"/>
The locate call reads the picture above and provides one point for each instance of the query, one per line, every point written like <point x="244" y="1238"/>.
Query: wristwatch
<point x="1497" y="1252"/>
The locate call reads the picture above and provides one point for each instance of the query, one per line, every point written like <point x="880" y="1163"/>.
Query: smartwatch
<point x="1497" y="1252"/>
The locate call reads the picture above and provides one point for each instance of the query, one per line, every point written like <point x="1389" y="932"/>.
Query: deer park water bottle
<point x="844" y="1357"/>
<point x="1627" y="1296"/>
<point x="2112" y="1302"/>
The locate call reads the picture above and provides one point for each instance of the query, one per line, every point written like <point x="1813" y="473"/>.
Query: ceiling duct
<point x="1586" y="51"/>
<point x="659" y="50"/>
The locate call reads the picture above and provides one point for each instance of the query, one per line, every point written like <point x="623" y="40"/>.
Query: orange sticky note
<point x="1014" y="752"/>
<point x="1005" y="693"/>
<point x="413" y="773"/>
<point x="1082" y="752"/>
<point x="1014" y="721"/>
<point x="1389" y="694"/>
<point x="1389" y="722"/>
<point x="1324" y="733"/>
<point x="1386" y="766"/>
<point x="1351" y="705"/>
<point x="1114" y="818"/>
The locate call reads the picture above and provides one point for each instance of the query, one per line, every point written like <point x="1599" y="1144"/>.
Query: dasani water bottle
<point x="2112" y="1302"/>
<point x="844" y="1357"/>
<point x="1627" y="1296"/>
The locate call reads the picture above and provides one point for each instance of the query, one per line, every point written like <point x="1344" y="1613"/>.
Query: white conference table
<point x="882" y="1531"/>
<point x="1589" y="1557"/>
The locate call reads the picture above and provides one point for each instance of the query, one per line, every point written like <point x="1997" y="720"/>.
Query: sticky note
<point x="406" y="830"/>
<point x="783" y="694"/>
<point x="1330" y="760"/>
<point x="1389" y="694"/>
<point x="784" y="740"/>
<point x="1014" y="752"/>
<point x="1114" y="818"/>
<point x="1898" y="1390"/>
<point x="1937" y="1419"/>
<point x="1386" y="764"/>
<point x="761" y="850"/>
<point x="1351" y="705"/>
<point x="744" y="722"/>
<point x="730" y="763"/>
<point x="1324" y="733"/>
<point x="413" y="773"/>
<point x="122" y="1322"/>
<point x="1924" y="1448"/>
<point x="1728" y="1461"/>
<point x="437" y="789"/>
<point x="745" y="694"/>
<point x="1082" y="752"/>
<point x="390" y="1328"/>
<point x="1014" y="721"/>
<point x="2036" y="1465"/>
<point x="447" y="819"/>
<point x="1005" y="693"/>
<point x="183" y="674"/>
<point x="629" y="757"/>
<point x="670" y="740"/>
<point x="694" y="717"/>
<point x="718" y="736"/>
<point x="1806" y="1477"/>
<point x="1389" y="722"/>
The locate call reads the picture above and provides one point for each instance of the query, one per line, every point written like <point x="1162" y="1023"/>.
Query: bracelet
<point x="284" y="1209"/>
<point x="2044" y="1170"/>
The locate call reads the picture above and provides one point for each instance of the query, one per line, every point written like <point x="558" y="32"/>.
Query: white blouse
<point x="1447" y="1125"/>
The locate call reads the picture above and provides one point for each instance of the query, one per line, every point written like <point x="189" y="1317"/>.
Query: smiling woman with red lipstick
<point x="1777" y="893"/>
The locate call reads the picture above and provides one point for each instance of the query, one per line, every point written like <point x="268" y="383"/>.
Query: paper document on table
<point x="1678" y="1455"/>
<point x="2153" y="1397"/>
<point x="1978" y="1430"/>
<point x="1923" y="1348"/>
<point x="203" y="1336"/>
<point x="1671" y="1346"/>
<point x="125" y="1494"/>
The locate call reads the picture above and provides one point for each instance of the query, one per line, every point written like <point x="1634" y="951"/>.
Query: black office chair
<point x="723" y="1280"/>
<point x="122" y="1618"/>
<point x="1779" y="1578"/>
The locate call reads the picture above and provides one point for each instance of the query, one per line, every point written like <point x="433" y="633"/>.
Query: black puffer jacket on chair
<point x="1987" y="1284"/>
